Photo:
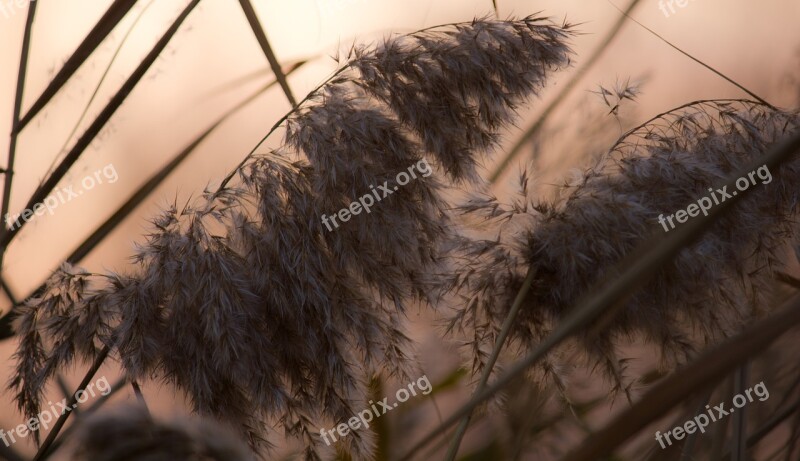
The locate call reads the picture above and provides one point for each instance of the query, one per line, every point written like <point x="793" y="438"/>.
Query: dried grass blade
<point x="105" y="115"/>
<point x="18" y="95"/>
<point x="261" y="37"/>
<point x="708" y="367"/>
<point x="99" y="32"/>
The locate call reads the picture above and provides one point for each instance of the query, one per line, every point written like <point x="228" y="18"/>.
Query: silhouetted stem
<point x="45" y="448"/>
<point x="487" y="369"/>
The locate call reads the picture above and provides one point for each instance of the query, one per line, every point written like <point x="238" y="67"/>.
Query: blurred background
<point x="214" y="63"/>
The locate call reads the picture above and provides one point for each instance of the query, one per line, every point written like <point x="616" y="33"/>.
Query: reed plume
<point x="574" y="240"/>
<point x="244" y="301"/>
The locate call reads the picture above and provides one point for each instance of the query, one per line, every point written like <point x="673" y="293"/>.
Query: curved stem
<point x="562" y="95"/>
<point x="487" y="369"/>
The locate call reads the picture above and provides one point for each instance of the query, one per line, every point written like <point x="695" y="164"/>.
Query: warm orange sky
<point x="756" y="43"/>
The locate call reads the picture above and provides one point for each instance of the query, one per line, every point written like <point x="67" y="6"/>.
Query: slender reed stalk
<point x="715" y="71"/>
<point x="770" y="425"/>
<point x="708" y="367"/>
<point x="115" y="13"/>
<point x="452" y="451"/>
<point x="97" y="87"/>
<point x="263" y="42"/>
<point x="44" y="449"/>
<point x="15" y="118"/>
<point x="94" y="129"/>
<point x="573" y="81"/>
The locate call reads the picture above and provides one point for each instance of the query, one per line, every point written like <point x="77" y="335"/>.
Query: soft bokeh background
<point x="214" y="62"/>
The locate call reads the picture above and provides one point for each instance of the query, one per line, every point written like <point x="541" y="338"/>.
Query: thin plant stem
<point x="140" y="397"/>
<point x="720" y="74"/>
<point x="263" y="42"/>
<point x="20" y="92"/>
<point x="561" y="96"/>
<point x="44" y="449"/>
<point x="106" y="71"/>
<point x="115" y="13"/>
<point x="115" y="388"/>
<point x="105" y="115"/>
<point x="62" y="385"/>
<point x="487" y="369"/>
<point x="739" y="440"/>
<point x="718" y="362"/>
<point x="769" y="426"/>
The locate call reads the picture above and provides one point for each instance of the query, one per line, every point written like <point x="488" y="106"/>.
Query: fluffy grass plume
<point x="244" y="301"/>
<point x="708" y="292"/>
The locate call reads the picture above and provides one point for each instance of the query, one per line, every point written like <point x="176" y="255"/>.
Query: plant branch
<point x="487" y="369"/>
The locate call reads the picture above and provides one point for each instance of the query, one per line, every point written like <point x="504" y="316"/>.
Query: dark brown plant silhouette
<point x="243" y="300"/>
<point x="707" y="293"/>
